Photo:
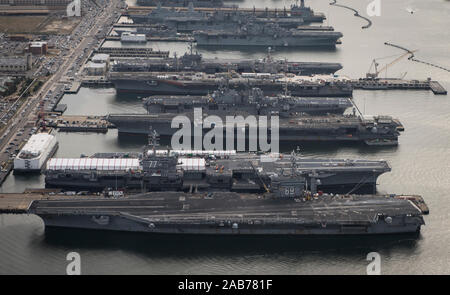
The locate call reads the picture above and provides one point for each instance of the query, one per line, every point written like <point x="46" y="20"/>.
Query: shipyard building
<point x="16" y="63"/>
<point x="35" y="153"/>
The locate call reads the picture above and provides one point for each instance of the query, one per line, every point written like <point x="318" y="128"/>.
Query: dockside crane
<point x="375" y="64"/>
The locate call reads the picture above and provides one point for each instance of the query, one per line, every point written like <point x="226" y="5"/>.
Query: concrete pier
<point x="437" y="88"/>
<point x="398" y="84"/>
<point x="80" y="124"/>
<point x="18" y="203"/>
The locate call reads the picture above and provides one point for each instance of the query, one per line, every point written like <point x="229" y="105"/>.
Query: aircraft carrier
<point x="185" y="170"/>
<point x="252" y="102"/>
<point x="193" y="61"/>
<point x="190" y="83"/>
<point x="286" y="210"/>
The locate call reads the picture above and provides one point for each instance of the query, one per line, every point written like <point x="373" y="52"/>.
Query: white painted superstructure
<point x="35" y="152"/>
<point x="93" y="164"/>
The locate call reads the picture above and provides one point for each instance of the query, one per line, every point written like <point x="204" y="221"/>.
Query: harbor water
<point x="420" y="165"/>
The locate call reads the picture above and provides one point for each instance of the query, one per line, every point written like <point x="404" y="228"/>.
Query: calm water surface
<point x="421" y="165"/>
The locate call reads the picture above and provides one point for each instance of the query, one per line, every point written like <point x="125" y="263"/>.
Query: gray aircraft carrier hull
<point x="236" y="215"/>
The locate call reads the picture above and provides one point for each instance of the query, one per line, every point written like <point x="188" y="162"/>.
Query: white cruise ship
<point x="39" y="148"/>
<point x="128" y="37"/>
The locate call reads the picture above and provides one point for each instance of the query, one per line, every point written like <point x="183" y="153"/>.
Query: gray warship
<point x="269" y="34"/>
<point x="237" y="199"/>
<point x="193" y="61"/>
<point x="235" y="214"/>
<point x="198" y="83"/>
<point x="206" y="171"/>
<point x="252" y="102"/>
<point x="191" y="20"/>
<point x="183" y="3"/>
<point x="289" y="126"/>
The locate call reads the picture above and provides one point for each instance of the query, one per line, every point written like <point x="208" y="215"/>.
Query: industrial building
<point x="16" y="63"/>
<point x="101" y="58"/>
<point x="38" y="48"/>
<point x="95" y="69"/>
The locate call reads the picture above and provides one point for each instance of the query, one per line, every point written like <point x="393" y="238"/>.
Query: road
<point x="31" y="107"/>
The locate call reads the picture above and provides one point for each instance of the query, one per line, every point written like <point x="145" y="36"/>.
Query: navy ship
<point x="371" y="130"/>
<point x="191" y="20"/>
<point x="193" y="61"/>
<point x="252" y="102"/>
<point x="206" y="171"/>
<point x="285" y="209"/>
<point x="183" y="3"/>
<point x="188" y="83"/>
<point x="269" y="34"/>
<point x="224" y="195"/>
